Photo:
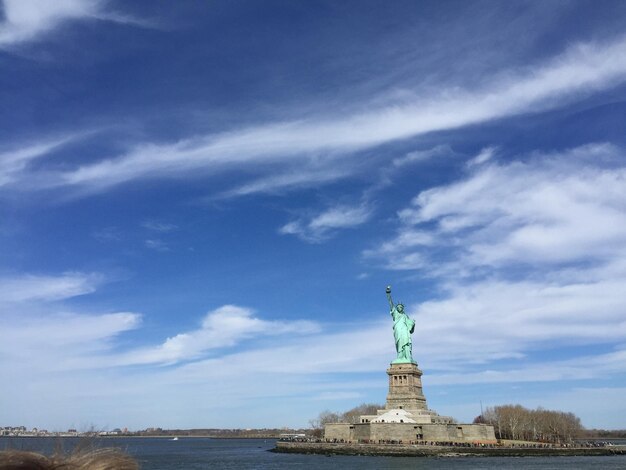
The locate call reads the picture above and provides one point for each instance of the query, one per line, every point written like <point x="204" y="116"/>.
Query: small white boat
<point x="175" y="439"/>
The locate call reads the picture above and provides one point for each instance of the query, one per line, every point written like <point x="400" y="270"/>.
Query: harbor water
<point x="204" y="453"/>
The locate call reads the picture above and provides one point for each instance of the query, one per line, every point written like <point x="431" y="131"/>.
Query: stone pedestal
<point x="406" y="417"/>
<point x="405" y="388"/>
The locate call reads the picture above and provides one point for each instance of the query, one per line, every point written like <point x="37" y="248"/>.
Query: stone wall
<point x="361" y="432"/>
<point x="338" y="432"/>
<point x="409" y="432"/>
<point x="459" y="433"/>
<point x="405" y="432"/>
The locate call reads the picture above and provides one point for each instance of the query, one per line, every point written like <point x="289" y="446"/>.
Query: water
<point x="203" y="453"/>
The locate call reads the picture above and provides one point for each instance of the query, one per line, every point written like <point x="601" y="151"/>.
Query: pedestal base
<point x="405" y="387"/>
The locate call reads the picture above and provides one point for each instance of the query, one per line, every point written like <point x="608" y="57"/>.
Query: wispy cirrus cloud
<point x="32" y="335"/>
<point x="420" y="156"/>
<point x="322" y="225"/>
<point x="156" y="245"/>
<point x="483" y="156"/>
<point x="28" y="20"/>
<point x="14" y="162"/>
<point x="313" y="147"/>
<point x="580" y="368"/>
<point x="157" y="226"/>
<point x="29" y="287"/>
<point x="161" y="228"/>
<point x="25" y="20"/>
<point x="39" y="331"/>
<point x="314" y="173"/>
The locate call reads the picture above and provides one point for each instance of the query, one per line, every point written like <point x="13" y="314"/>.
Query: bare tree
<point x="350" y="416"/>
<point x="353" y="415"/>
<point x="516" y="422"/>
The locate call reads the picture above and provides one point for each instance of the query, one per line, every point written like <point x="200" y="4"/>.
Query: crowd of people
<point x="523" y="445"/>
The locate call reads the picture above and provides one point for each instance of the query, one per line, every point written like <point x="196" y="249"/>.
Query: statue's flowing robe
<point x="403" y="326"/>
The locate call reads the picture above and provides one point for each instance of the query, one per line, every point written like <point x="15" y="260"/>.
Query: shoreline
<point x="125" y="436"/>
<point x="405" y="450"/>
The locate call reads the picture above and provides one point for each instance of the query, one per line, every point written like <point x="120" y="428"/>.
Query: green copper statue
<point x="403" y="326"/>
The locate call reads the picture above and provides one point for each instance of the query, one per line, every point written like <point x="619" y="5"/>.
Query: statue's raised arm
<point x="388" y="291"/>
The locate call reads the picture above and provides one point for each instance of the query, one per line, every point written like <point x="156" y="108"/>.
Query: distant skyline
<point x="201" y="204"/>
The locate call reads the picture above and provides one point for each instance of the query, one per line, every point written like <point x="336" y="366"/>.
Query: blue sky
<point x="201" y="204"/>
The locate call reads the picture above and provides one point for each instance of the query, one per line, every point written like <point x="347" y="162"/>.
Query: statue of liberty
<point x="403" y="326"/>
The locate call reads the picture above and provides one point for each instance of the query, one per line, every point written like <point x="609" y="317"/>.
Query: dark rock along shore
<point x="440" y="451"/>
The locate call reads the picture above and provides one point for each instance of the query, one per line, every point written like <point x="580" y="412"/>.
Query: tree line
<point x="604" y="433"/>
<point x="509" y="421"/>
<point x="518" y="423"/>
<point x="350" y="416"/>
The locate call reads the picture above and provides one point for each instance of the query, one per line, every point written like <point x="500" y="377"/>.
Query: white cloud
<point x="157" y="226"/>
<point x="551" y="209"/>
<point x="311" y="174"/>
<point x="583" y="367"/>
<point x="458" y="340"/>
<point x="406" y="239"/>
<point x="38" y="346"/>
<point x="421" y="155"/>
<point x="162" y="228"/>
<point x="223" y="327"/>
<point x="15" y="161"/>
<point x="37" y="334"/>
<point x="484" y="155"/>
<point x="462" y="339"/>
<point x="315" y="146"/>
<point x="46" y="288"/>
<point x="25" y="20"/>
<point x="529" y="258"/>
<point x="320" y="226"/>
<point x="492" y="319"/>
<point x="339" y="217"/>
<point x="28" y="20"/>
<point x="156" y="245"/>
